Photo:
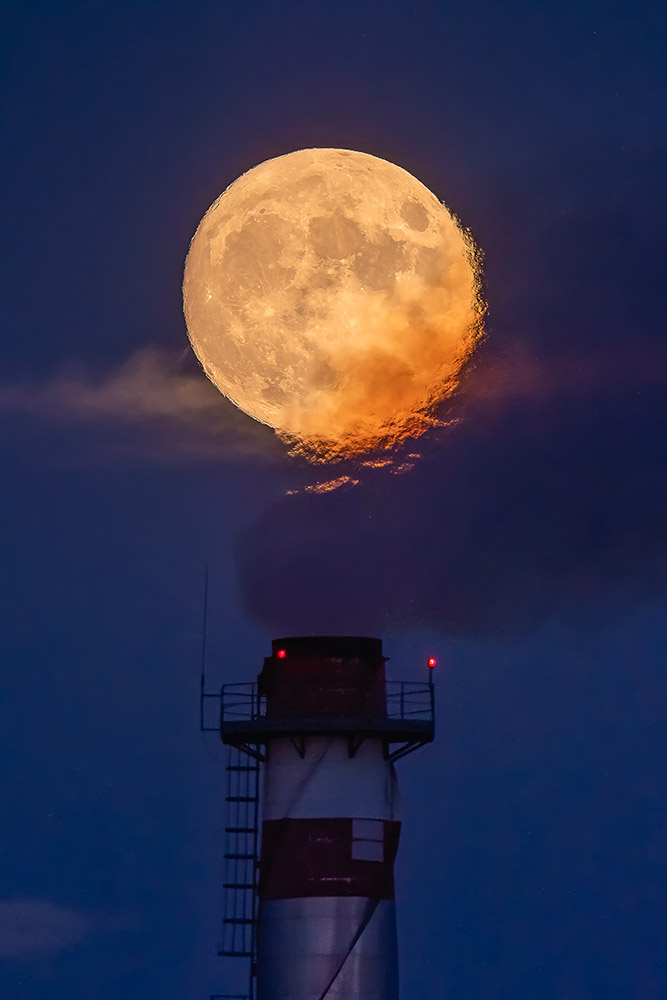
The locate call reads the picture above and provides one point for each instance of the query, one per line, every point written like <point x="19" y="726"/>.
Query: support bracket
<point x="251" y="751"/>
<point x="299" y="744"/>
<point x="403" y="750"/>
<point x="354" y="743"/>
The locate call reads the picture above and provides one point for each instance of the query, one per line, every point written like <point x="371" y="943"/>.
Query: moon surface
<point x="330" y="295"/>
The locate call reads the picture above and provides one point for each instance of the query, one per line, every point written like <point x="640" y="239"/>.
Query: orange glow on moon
<point x="330" y="295"/>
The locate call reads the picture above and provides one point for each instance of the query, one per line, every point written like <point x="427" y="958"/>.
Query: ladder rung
<point x="240" y="885"/>
<point x="242" y="767"/>
<point x="240" y="857"/>
<point x="240" y="829"/>
<point x="238" y="920"/>
<point x="235" y="954"/>
<point x="242" y="798"/>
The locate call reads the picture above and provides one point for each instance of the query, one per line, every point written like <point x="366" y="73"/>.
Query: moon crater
<point x="330" y="295"/>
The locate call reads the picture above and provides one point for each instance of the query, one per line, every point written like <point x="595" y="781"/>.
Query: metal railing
<point x="241" y="701"/>
<point x="407" y="701"/>
<point x="410" y="700"/>
<point x="232" y="703"/>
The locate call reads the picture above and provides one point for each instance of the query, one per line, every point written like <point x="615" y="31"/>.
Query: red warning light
<point x="281" y="654"/>
<point x="432" y="661"/>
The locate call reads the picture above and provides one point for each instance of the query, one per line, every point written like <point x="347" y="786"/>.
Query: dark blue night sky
<point x="527" y="549"/>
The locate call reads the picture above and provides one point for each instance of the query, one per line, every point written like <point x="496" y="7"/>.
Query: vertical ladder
<point x="241" y="860"/>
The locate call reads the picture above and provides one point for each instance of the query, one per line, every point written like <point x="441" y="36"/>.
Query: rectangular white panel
<point x="367" y="850"/>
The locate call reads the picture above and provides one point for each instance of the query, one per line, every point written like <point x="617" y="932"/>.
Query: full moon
<point x="330" y="295"/>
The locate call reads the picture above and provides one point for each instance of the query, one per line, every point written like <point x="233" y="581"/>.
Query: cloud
<point x="36" y="927"/>
<point x="178" y="413"/>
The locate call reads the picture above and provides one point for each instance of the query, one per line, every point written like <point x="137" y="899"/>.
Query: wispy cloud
<point x="157" y="406"/>
<point x="180" y="414"/>
<point x="515" y="375"/>
<point x="37" y="927"/>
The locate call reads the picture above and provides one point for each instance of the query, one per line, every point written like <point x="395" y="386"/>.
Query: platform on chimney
<point x="242" y="721"/>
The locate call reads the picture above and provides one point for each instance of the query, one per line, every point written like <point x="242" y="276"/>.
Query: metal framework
<point x="241" y="852"/>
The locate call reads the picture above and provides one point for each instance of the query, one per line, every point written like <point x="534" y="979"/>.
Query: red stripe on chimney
<point x="328" y="857"/>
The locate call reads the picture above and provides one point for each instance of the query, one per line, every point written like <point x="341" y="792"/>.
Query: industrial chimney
<point x="311" y="901"/>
